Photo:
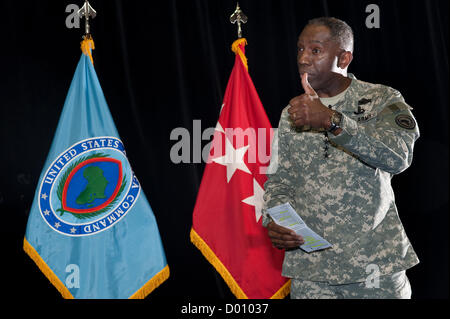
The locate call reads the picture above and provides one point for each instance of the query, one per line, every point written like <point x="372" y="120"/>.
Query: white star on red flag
<point x="256" y="200"/>
<point x="233" y="159"/>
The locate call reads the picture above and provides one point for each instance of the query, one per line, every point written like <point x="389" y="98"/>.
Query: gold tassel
<point x="237" y="50"/>
<point x="87" y="45"/>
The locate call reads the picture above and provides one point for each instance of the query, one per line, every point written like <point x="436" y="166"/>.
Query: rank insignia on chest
<point x="366" y="117"/>
<point x="364" y="101"/>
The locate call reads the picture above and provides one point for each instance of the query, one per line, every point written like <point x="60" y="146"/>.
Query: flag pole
<point x="87" y="44"/>
<point x="237" y="17"/>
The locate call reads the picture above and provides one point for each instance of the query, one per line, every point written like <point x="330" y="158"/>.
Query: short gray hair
<point x="340" y="31"/>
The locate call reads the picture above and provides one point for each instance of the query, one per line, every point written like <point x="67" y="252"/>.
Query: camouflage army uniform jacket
<point x="347" y="198"/>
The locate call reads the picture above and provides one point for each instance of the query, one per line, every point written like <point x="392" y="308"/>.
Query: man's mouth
<point x="309" y="74"/>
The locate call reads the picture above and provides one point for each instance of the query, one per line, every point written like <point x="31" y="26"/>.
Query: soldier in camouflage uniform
<point x="339" y="145"/>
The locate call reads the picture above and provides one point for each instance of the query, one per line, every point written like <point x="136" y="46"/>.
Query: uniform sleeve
<point x="385" y="142"/>
<point x="279" y="187"/>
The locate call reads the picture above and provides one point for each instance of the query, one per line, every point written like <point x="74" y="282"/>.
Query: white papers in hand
<point x="284" y="215"/>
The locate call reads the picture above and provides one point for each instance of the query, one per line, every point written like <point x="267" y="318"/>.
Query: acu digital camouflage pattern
<point x="347" y="198"/>
<point x="394" y="286"/>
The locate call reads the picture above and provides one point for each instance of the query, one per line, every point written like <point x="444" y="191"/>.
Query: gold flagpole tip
<point x="238" y="17"/>
<point x="87" y="12"/>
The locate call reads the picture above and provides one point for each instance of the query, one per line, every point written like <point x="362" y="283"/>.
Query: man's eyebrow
<point x="313" y="41"/>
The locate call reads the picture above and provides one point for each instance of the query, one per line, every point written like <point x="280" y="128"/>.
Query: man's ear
<point x="344" y="59"/>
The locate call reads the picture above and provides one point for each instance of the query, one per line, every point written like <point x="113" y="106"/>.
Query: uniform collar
<point x="350" y="91"/>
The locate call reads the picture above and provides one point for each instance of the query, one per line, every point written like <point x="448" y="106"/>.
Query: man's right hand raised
<point x="283" y="238"/>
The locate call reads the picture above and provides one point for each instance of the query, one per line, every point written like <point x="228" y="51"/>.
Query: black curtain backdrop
<point x="164" y="64"/>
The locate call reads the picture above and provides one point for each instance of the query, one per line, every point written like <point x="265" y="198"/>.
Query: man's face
<point x="317" y="55"/>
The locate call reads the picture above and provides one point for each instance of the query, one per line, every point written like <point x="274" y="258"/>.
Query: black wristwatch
<point x="336" y="119"/>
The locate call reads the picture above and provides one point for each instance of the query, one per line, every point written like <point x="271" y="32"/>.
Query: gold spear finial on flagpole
<point x="87" y="11"/>
<point x="238" y="17"/>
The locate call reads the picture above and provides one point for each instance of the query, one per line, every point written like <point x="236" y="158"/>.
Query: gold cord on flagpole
<point x="87" y="45"/>
<point x="235" y="47"/>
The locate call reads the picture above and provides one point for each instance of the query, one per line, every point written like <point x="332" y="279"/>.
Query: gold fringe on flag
<point x="223" y="271"/>
<point x="87" y="45"/>
<point x="237" y="50"/>
<point x="46" y="270"/>
<point x="283" y="292"/>
<point x="152" y="284"/>
<point x="215" y="261"/>
<point x="143" y="292"/>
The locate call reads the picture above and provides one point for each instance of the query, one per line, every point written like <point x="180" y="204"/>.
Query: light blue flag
<point x="91" y="230"/>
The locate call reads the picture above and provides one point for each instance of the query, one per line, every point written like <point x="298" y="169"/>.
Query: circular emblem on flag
<point x="88" y="188"/>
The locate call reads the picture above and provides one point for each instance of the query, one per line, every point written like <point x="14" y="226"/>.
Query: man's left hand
<point x="307" y="110"/>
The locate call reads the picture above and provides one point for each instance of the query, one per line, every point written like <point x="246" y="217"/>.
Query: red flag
<point x="227" y="219"/>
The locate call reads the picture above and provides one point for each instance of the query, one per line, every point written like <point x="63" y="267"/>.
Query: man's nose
<point x="303" y="58"/>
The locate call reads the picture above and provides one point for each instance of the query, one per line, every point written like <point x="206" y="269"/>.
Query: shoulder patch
<point x="405" y="121"/>
<point x="394" y="108"/>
